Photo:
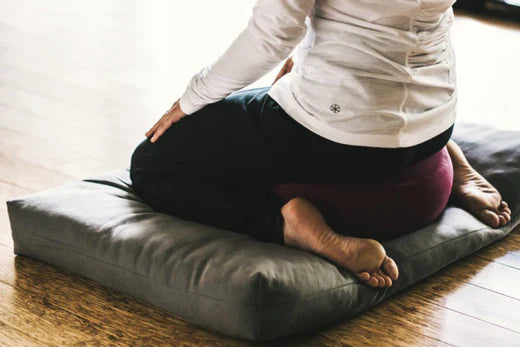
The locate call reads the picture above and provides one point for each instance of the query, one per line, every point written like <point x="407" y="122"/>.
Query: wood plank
<point x="49" y="155"/>
<point x="29" y="175"/>
<point x="450" y="290"/>
<point x="496" y="277"/>
<point x="21" y="146"/>
<point x="481" y="272"/>
<point x="378" y="327"/>
<point x="409" y="311"/>
<point x="506" y="251"/>
<point x="10" y="336"/>
<point x="458" y="329"/>
<point x="73" y="84"/>
<point x="44" y="322"/>
<point x="30" y="93"/>
<point x="75" y="138"/>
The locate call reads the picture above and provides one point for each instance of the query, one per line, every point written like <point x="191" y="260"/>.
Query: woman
<point x="371" y="90"/>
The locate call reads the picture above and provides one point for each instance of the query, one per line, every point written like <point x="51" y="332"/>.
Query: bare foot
<point x="476" y="195"/>
<point x="305" y="228"/>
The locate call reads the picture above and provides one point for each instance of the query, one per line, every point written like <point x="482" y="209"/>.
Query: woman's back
<point x="367" y="73"/>
<point x="373" y="73"/>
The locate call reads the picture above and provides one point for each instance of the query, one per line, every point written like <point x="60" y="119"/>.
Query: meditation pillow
<point x="230" y="282"/>
<point x="402" y="203"/>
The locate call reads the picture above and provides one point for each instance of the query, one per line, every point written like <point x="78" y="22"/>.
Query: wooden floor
<point x="80" y="83"/>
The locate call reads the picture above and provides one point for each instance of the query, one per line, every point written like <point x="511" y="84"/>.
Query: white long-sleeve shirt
<point x="375" y="73"/>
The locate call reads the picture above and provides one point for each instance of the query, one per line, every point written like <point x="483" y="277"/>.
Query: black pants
<point x="217" y="166"/>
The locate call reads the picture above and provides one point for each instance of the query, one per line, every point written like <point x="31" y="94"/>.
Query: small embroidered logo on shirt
<point x="335" y="108"/>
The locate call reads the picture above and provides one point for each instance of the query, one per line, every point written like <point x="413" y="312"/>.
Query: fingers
<point x="282" y="72"/>
<point x="153" y="129"/>
<point x="174" y="114"/>
<point x="290" y="65"/>
<point x="165" y="125"/>
<point x="287" y="67"/>
<point x="158" y="133"/>
<point x="157" y="124"/>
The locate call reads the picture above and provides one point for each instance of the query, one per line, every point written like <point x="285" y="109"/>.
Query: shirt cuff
<point x="186" y="105"/>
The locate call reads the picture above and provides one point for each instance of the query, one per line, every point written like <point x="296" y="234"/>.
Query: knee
<point x="140" y="164"/>
<point x="139" y="152"/>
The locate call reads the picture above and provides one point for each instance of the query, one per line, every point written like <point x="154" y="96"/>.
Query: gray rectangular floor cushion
<point x="233" y="283"/>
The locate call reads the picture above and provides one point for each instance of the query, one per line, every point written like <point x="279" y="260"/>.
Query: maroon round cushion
<point x="385" y="209"/>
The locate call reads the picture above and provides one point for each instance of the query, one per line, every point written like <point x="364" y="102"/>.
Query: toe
<point x="390" y="268"/>
<point x="502" y="219"/>
<point x="489" y="217"/>
<point x="503" y="204"/>
<point x="388" y="280"/>
<point x="506" y="216"/>
<point x="506" y="210"/>
<point x="380" y="279"/>
<point x="373" y="282"/>
<point x="363" y="276"/>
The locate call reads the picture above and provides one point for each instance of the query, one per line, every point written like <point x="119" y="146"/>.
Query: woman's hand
<point x="174" y="114"/>
<point x="287" y="67"/>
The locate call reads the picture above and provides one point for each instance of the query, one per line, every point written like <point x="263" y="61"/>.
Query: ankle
<point x="288" y="237"/>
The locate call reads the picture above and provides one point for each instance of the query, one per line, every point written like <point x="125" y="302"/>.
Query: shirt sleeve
<point x="273" y="31"/>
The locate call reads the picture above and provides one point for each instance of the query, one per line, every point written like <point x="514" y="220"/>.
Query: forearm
<point x="273" y="31"/>
<point x="242" y="63"/>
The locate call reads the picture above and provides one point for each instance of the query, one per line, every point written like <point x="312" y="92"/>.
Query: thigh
<point x="373" y="164"/>
<point x="222" y="142"/>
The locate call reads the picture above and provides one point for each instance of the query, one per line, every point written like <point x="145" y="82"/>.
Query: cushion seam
<point x="450" y="240"/>
<point x="254" y="308"/>
<point x="79" y="251"/>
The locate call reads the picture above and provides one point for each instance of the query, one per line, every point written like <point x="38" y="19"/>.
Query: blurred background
<point x="501" y="9"/>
